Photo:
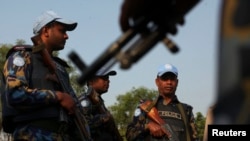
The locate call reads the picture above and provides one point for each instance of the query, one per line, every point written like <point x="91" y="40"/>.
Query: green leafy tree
<point x="123" y="110"/>
<point x="200" y="122"/>
<point x="20" y="42"/>
<point x="4" y="48"/>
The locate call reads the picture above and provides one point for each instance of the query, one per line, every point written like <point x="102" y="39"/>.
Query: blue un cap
<point x="167" y="68"/>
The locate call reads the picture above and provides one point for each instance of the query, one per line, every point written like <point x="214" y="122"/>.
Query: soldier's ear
<point x="157" y="81"/>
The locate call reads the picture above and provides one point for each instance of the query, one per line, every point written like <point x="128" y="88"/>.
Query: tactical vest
<point x="38" y="80"/>
<point x="171" y="115"/>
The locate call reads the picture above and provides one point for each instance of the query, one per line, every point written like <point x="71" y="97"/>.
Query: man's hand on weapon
<point x="155" y="129"/>
<point x="66" y="102"/>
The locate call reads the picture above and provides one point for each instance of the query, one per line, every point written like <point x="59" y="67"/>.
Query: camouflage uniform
<point x="99" y="129"/>
<point x="170" y="114"/>
<point x="32" y="99"/>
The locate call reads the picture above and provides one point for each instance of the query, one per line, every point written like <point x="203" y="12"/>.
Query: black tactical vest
<point x="172" y="116"/>
<point x="38" y="79"/>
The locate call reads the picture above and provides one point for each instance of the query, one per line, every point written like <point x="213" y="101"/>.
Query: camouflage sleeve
<point x="136" y="129"/>
<point x="17" y="72"/>
<point x="94" y="119"/>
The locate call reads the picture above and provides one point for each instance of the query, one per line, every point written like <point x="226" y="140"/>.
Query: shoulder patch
<point x="137" y="112"/>
<point x="18" y="61"/>
<point x="85" y="103"/>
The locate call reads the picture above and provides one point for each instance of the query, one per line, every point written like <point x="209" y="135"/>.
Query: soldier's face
<point x="167" y="84"/>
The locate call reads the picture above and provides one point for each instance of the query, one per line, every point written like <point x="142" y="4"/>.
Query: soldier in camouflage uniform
<point x="178" y="120"/>
<point x="100" y="119"/>
<point x="31" y="95"/>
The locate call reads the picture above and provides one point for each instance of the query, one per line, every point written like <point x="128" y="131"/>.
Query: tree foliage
<point x="123" y="111"/>
<point x="200" y="122"/>
<point x="4" y="48"/>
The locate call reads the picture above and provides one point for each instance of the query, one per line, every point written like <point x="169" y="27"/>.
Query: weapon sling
<point x="181" y="108"/>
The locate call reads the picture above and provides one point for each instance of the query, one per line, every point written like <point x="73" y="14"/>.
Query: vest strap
<point x="181" y="108"/>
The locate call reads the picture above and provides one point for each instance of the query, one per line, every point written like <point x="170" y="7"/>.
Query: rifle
<point x="152" y="113"/>
<point x="78" y="117"/>
<point x="112" y="128"/>
<point x="146" y="32"/>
